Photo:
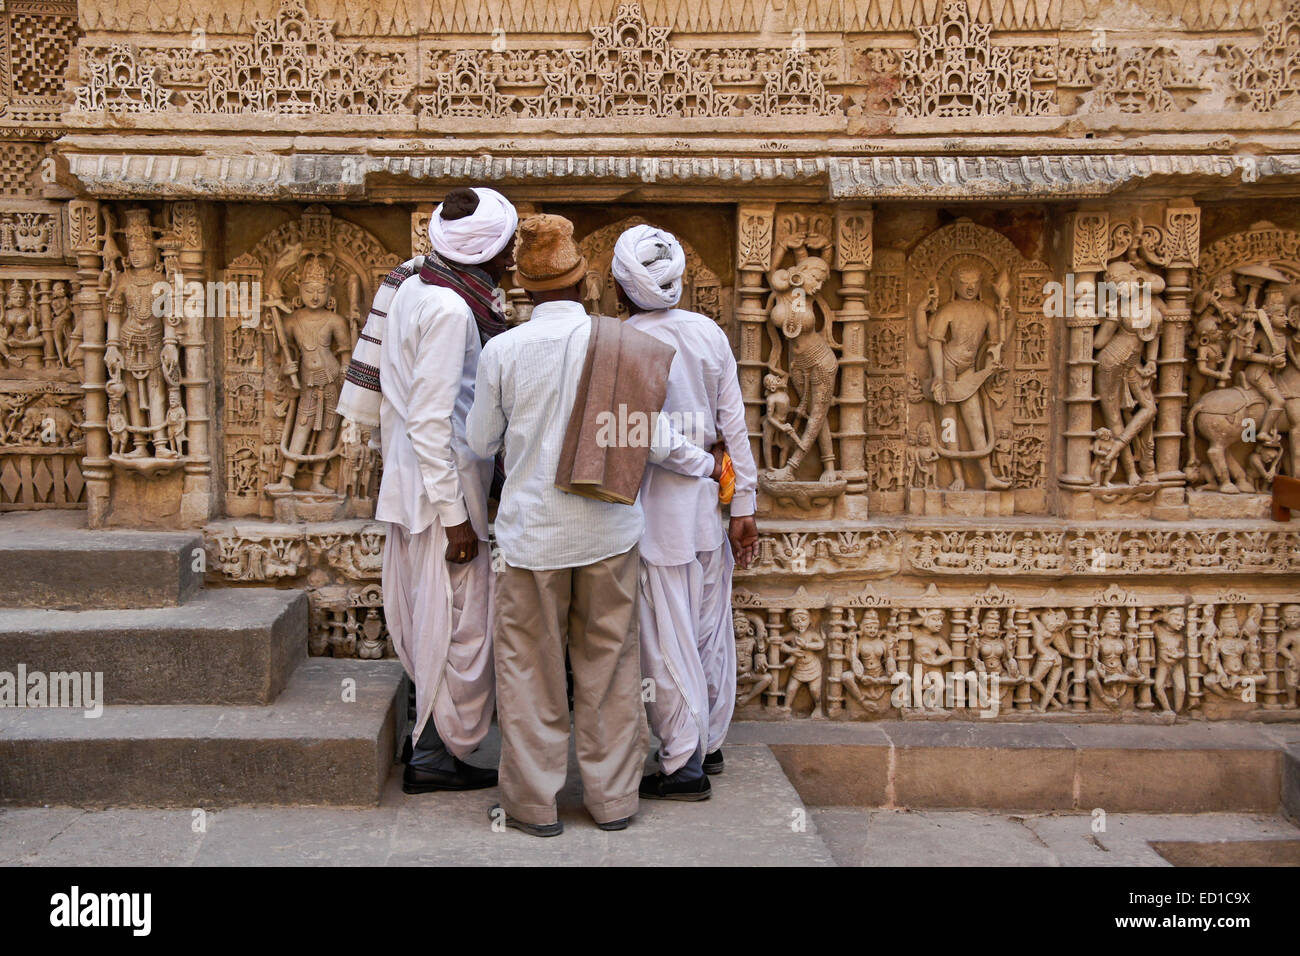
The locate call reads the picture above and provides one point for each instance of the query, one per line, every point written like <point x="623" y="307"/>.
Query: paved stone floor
<point x="755" y="818"/>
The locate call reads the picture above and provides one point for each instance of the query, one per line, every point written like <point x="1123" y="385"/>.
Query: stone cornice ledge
<point x="308" y="176"/>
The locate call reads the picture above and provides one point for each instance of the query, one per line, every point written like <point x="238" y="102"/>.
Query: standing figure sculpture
<point x="1051" y="649"/>
<point x="317" y="346"/>
<point x="804" y="660"/>
<point x="1171" y="655"/>
<point x="957" y="335"/>
<point x="142" y="349"/>
<point x="1127" y="342"/>
<point x="1288" y="652"/>
<point x="792" y="310"/>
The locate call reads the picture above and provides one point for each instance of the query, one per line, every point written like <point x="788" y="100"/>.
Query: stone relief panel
<point x="291" y="65"/>
<point x="1243" y="418"/>
<point x="979" y="384"/>
<point x="288" y="454"/>
<point x="37" y="40"/>
<point x="1112" y="654"/>
<point x="954" y="65"/>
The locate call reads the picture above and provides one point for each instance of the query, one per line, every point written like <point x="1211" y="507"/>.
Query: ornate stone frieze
<point x="292" y="65"/>
<point x="1109" y="654"/>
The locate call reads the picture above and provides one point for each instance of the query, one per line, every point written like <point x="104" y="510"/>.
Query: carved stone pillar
<point x="197" y="494"/>
<point x="1271" y="625"/>
<point x="754" y="230"/>
<point x="1183" y="246"/>
<point x="1089" y="244"/>
<point x="85" y="241"/>
<point x="853" y="248"/>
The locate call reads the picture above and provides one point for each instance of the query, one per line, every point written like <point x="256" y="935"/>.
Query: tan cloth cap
<point x="546" y="257"/>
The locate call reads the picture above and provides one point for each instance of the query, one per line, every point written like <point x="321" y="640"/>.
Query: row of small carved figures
<point x="1046" y="651"/>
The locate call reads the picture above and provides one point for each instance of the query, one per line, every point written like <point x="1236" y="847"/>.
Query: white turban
<point x="648" y="264"/>
<point x="475" y="238"/>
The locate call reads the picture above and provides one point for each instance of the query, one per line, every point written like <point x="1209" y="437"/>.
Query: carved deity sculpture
<point x="871" y="661"/>
<point x="1255" y="379"/>
<point x="1113" y="658"/>
<point x="778" y="434"/>
<point x="142" y="350"/>
<point x="802" y="654"/>
<point x="993" y="652"/>
<point x="923" y="459"/>
<point x="1171" y="657"/>
<point x="964" y="339"/>
<point x="1051" y="651"/>
<point x="792" y="310"/>
<point x="752" y="674"/>
<point x="64" y="326"/>
<point x="317" y="346"/>
<point x="21" y="343"/>
<point x="930" y="648"/>
<point x="1288" y="652"/>
<point x="1127" y="342"/>
<point x="1232" y="659"/>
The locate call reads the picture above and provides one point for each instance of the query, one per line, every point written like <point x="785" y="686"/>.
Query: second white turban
<point x="649" y="264"/>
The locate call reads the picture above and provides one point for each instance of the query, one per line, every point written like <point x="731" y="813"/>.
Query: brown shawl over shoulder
<point x="624" y="367"/>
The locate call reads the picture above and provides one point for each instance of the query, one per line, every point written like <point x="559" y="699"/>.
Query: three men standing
<point x="456" y="392"/>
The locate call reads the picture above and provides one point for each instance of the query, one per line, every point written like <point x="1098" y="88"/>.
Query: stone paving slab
<point x="859" y="837"/>
<point x="747" y="822"/>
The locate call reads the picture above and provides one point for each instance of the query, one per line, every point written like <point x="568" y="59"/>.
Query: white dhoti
<point x="440" y="618"/>
<point x="688" y="651"/>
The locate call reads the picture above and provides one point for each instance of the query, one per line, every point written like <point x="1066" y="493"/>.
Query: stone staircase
<point x="209" y="697"/>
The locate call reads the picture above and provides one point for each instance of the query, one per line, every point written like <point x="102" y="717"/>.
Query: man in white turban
<point x="437" y="573"/>
<point x="688" y="647"/>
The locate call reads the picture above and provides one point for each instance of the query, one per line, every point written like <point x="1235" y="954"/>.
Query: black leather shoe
<point x="619" y="824"/>
<point x="532" y="829"/>
<point x="713" y="763"/>
<point x="657" y="786"/>
<point x="464" y="777"/>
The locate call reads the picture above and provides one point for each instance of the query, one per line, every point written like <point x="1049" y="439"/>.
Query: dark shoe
<point x="657" y="786"/>
<point x="620" y="824"/>
<point x="532" y="829"/>
<point x="464" y="777"/>
<point x="713" y="762"/>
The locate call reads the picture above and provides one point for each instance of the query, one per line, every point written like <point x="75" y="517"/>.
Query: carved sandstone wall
<point x="1014" y="287"/>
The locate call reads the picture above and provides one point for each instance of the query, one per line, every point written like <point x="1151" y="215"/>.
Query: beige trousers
<point x="592" y="609"/>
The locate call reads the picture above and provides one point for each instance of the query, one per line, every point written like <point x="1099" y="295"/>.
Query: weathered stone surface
<point x="221" y="647"/>
<point x="51" y="560"/>
<point x="1175" y="769"/>
<point x="327" y="740"/>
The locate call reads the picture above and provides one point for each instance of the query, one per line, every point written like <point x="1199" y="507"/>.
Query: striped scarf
<point x="471" y="284"/>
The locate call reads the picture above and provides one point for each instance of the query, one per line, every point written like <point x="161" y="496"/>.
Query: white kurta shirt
<point x="427" y="367"/>
<point x="683" y="517"/>
<point x="527" y="382"/>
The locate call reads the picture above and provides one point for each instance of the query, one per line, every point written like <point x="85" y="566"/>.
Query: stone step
<point x="312" y="747"/>
<point x="50" y="559"/>
<point x="1222" y="766"/>
<point x="223" y="647"/>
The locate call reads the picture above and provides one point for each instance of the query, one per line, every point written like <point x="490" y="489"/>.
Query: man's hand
<point x="462" y="544"/>
<point x="743" y="535"/>
<point x="717" y="451"/>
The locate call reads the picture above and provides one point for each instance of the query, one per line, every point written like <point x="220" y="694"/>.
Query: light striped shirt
<point x="524" y="394"/>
